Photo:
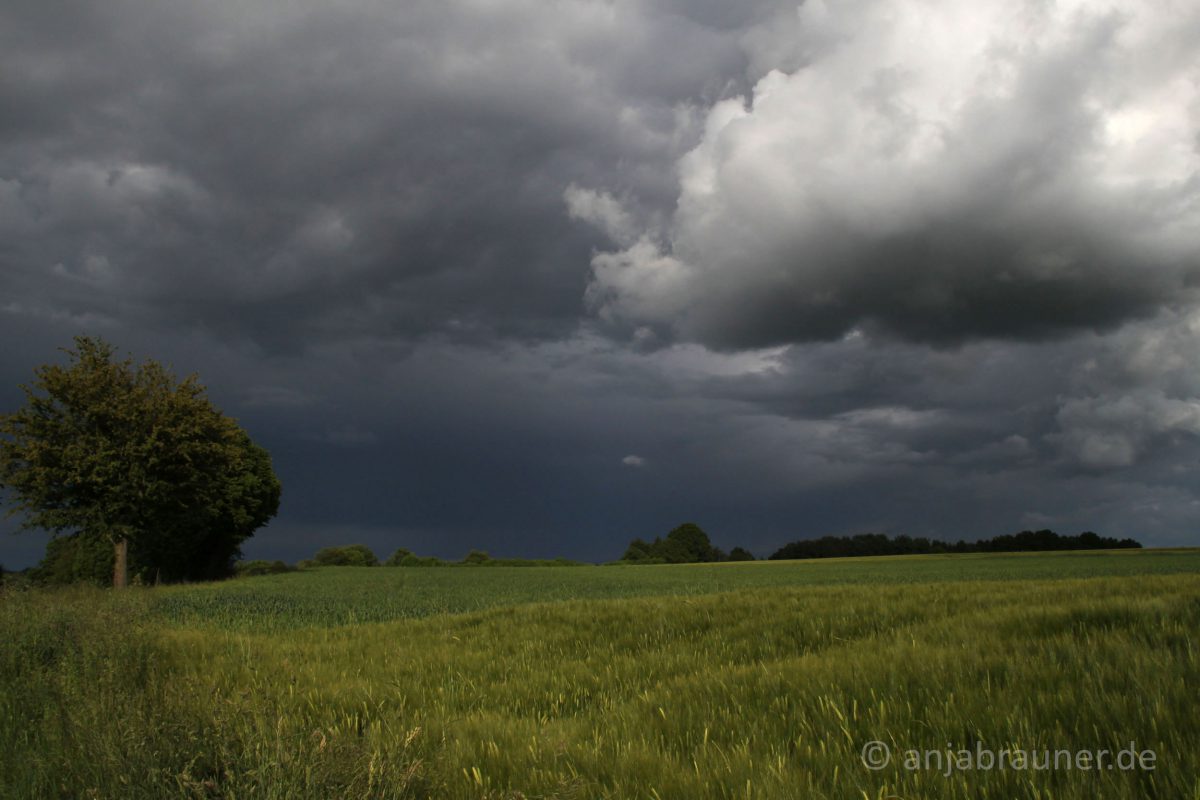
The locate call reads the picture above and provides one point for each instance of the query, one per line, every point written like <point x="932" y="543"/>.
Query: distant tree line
<point x="878" y="544"/>
<point x="359" y="555"/>
<point x="70" y="559"/>
<point x="686" y="544"/>
<point x="76" y="559"/>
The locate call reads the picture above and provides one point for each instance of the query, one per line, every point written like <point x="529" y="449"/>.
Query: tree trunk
<point x="120" y="563"/>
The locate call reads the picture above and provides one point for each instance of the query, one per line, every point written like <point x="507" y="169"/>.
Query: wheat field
<point x="762" y="680"/>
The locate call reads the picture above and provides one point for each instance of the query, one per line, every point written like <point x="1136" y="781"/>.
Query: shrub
<point x="78" y="558"/>
<point x="396" y="559"/>
<point x="245" y="569"/>
<point x="417" y="561"/>
<point x="352" y="555"/>
<point x="476" y="557"/>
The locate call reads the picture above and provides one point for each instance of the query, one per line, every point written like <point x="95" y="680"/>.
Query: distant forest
<point x="878" y="544"/>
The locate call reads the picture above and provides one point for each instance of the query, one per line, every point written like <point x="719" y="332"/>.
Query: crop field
<point x="1075" y="674"/>
<point x="347" y="595"/>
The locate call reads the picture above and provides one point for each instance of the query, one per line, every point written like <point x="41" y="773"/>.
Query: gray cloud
<point x="936" y="172"/>
<point x="312" y="171"/>
<point x="457" y="265"/>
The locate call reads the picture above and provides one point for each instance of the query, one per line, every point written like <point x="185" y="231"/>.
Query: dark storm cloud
<point x="519" y="448"/>
<point x="306" y="171"/>
<point x="854" y="283"/>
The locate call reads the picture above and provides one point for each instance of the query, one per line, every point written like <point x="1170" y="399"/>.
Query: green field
<point x="755" y="680"/>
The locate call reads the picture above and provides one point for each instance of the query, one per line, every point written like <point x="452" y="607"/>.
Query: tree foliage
<point x="476" y="557"/>
<point x="108" y="451"/>
<point x="351" y="555"/>
<point x="686" y="544"/>
<point x="878" y="544"/>
<point x="396" y="559"/>
<point x="248" y="569"/>
<point x="77" y="558"/>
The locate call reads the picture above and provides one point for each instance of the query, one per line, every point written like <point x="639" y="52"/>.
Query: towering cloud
<point x="938" y="170"/>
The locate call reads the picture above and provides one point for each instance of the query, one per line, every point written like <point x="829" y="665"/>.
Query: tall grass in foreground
<point x="757" y="693"/>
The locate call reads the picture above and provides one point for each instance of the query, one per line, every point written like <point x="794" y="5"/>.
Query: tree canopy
<point x="108" y="451"/>
<point x="878" y="544"/>
<point x="686" y="544"/>
<point x="350" y="555"/>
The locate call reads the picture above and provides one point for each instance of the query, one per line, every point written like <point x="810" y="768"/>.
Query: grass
<point x="722" y="681"/>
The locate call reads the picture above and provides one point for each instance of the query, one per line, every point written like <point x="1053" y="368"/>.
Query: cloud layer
<point x="540" y="278"/>
<point x="360" y="169"/>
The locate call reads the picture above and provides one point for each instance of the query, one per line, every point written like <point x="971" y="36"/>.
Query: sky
<point x="541" y="277"/>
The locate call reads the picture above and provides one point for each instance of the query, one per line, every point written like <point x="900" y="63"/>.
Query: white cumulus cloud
<point x="941" y="170"/>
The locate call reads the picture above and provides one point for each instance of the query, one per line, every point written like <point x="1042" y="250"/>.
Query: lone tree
<point x="108" y="451"/>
